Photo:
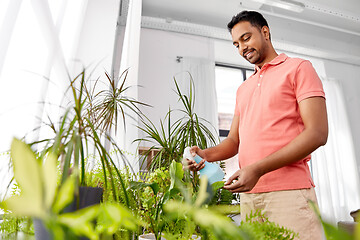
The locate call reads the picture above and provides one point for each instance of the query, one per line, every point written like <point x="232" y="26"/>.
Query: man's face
<point x="251" y="42"/>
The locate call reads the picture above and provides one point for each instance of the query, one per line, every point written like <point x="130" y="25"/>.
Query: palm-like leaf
<point x="86" y="125"/>
<point x="170" y="141"/>
<point x="166" y="144"/>
<point x="114" y="101"/>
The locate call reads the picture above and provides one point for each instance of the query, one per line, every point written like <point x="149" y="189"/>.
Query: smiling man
<point x="279" y="120"/>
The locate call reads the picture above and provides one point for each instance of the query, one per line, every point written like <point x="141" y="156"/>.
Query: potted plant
<point x="84" y="130"/>
<point x="173" y="136"/>
<point x="151" y="195"/>
<point x="42" y="198"/>
<point x="97" y="179"/>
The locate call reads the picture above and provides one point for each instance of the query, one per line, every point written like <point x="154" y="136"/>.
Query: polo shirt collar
<point x="279" y="59"/>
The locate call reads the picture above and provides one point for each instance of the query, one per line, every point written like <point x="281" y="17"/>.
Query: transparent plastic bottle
<point x="212" y="170"/>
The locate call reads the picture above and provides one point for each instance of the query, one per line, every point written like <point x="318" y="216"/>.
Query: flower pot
<point x="87" y="196"/>
<point x="152" y="237"/>
<point x="41" y="233"/>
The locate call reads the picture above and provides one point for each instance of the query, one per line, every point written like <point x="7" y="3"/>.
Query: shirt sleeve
<point x="307" y="83"/>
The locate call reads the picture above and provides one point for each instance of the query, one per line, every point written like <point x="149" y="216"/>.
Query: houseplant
<point x="213" y="220"/>
<point x="152" y="194"/>
<point x="174" y="135"/>
<point x="84" y="129"/>
<point x="97" y="179"/>
<point x="161" y="186"/>
<point x="42" y="198"/>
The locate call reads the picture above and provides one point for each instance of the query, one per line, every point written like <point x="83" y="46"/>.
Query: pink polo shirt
<point x="269" y="118"/>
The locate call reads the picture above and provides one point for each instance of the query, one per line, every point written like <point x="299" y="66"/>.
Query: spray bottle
<point x="211" y="170"/>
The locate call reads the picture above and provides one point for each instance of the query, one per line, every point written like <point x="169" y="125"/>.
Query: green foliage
<point x="96" y="179"/>
<point x="36" y="195"/>
<point x="84" y="129"/>
<point x="165" y="142"/>
<point x="173" y="136"/>
<point x="332" y="232"/>
<point x="221" y="196"/>
<point x="12" y="225"/>
<point x="259" y="227"/>
<point x="165" y="186"/>
<point x="192" y="129"/>
<point x="41" y="198"/>
<point x="155" y="191"/>
<point x="213" y="222"/>
<point x="151" y="195"/>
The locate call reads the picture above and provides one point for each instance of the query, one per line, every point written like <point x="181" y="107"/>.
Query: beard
<point x="256" y="56"/>
<point x="253" y="57"/>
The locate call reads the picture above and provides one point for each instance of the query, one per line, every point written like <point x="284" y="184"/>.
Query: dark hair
<point x="254" y="18"/>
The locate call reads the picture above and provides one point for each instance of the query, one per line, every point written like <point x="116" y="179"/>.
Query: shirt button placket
<point x="260" y="78"/>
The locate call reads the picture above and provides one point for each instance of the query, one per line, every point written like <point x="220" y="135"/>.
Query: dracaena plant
<point x="173" y="135"/>
<point x="84" y="129"/>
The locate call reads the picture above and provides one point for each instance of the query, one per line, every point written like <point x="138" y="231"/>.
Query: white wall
<point x="158" y="66"/>
<point x="96" y="43"/>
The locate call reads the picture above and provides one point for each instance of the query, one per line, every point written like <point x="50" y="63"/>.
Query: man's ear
<point x="266" y="32"/>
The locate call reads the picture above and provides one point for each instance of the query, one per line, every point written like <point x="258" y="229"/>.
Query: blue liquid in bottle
<point x="212" y="170"/>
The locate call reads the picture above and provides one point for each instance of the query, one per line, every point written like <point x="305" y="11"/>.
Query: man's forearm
<point x="313" y="113"/>
<point x="226" y="149"/>
<point x="303" y="145"/>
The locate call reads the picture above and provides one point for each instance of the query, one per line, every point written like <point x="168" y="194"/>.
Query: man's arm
<point x="226" y="149"/>
<point x="314" y="116"/>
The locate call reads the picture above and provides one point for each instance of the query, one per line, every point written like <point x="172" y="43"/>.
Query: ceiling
<point x="336" y="21"/>
<point x="342" y="14"/>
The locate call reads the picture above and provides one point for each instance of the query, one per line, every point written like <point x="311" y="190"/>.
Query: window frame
<point x="225" y="132"/>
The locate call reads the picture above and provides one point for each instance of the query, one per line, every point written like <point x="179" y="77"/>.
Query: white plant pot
<point x="152" y="237"/>
<point x="148" y="236"/>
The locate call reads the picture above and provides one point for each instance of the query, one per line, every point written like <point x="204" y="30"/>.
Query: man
<point x="280" y="119"/>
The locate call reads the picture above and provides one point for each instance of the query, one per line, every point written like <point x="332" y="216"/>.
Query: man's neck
<point x="269" y="57"/>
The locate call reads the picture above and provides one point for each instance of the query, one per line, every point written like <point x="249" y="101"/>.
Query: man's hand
<point x="191" y="164"/>
<point x="243" y="180"/>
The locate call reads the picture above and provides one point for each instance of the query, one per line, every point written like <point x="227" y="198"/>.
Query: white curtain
<point x="38" y="44"/>
<point x="9" y="12"/>
<point x="130" y="60"/>
<point x="202" y="71"/>
<point x="334" y="165"/>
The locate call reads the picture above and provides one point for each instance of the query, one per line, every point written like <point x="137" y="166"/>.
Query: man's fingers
<point x="229" y="181"/>
<point x="232" y="185"/>
<point x="201" y="164"/>
<point x="193" y="150"/>
<point x="232" y="178"/>
<point x="190" y="165"/>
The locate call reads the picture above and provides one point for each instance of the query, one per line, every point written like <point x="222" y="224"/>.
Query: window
<point x="228" y="78"/>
